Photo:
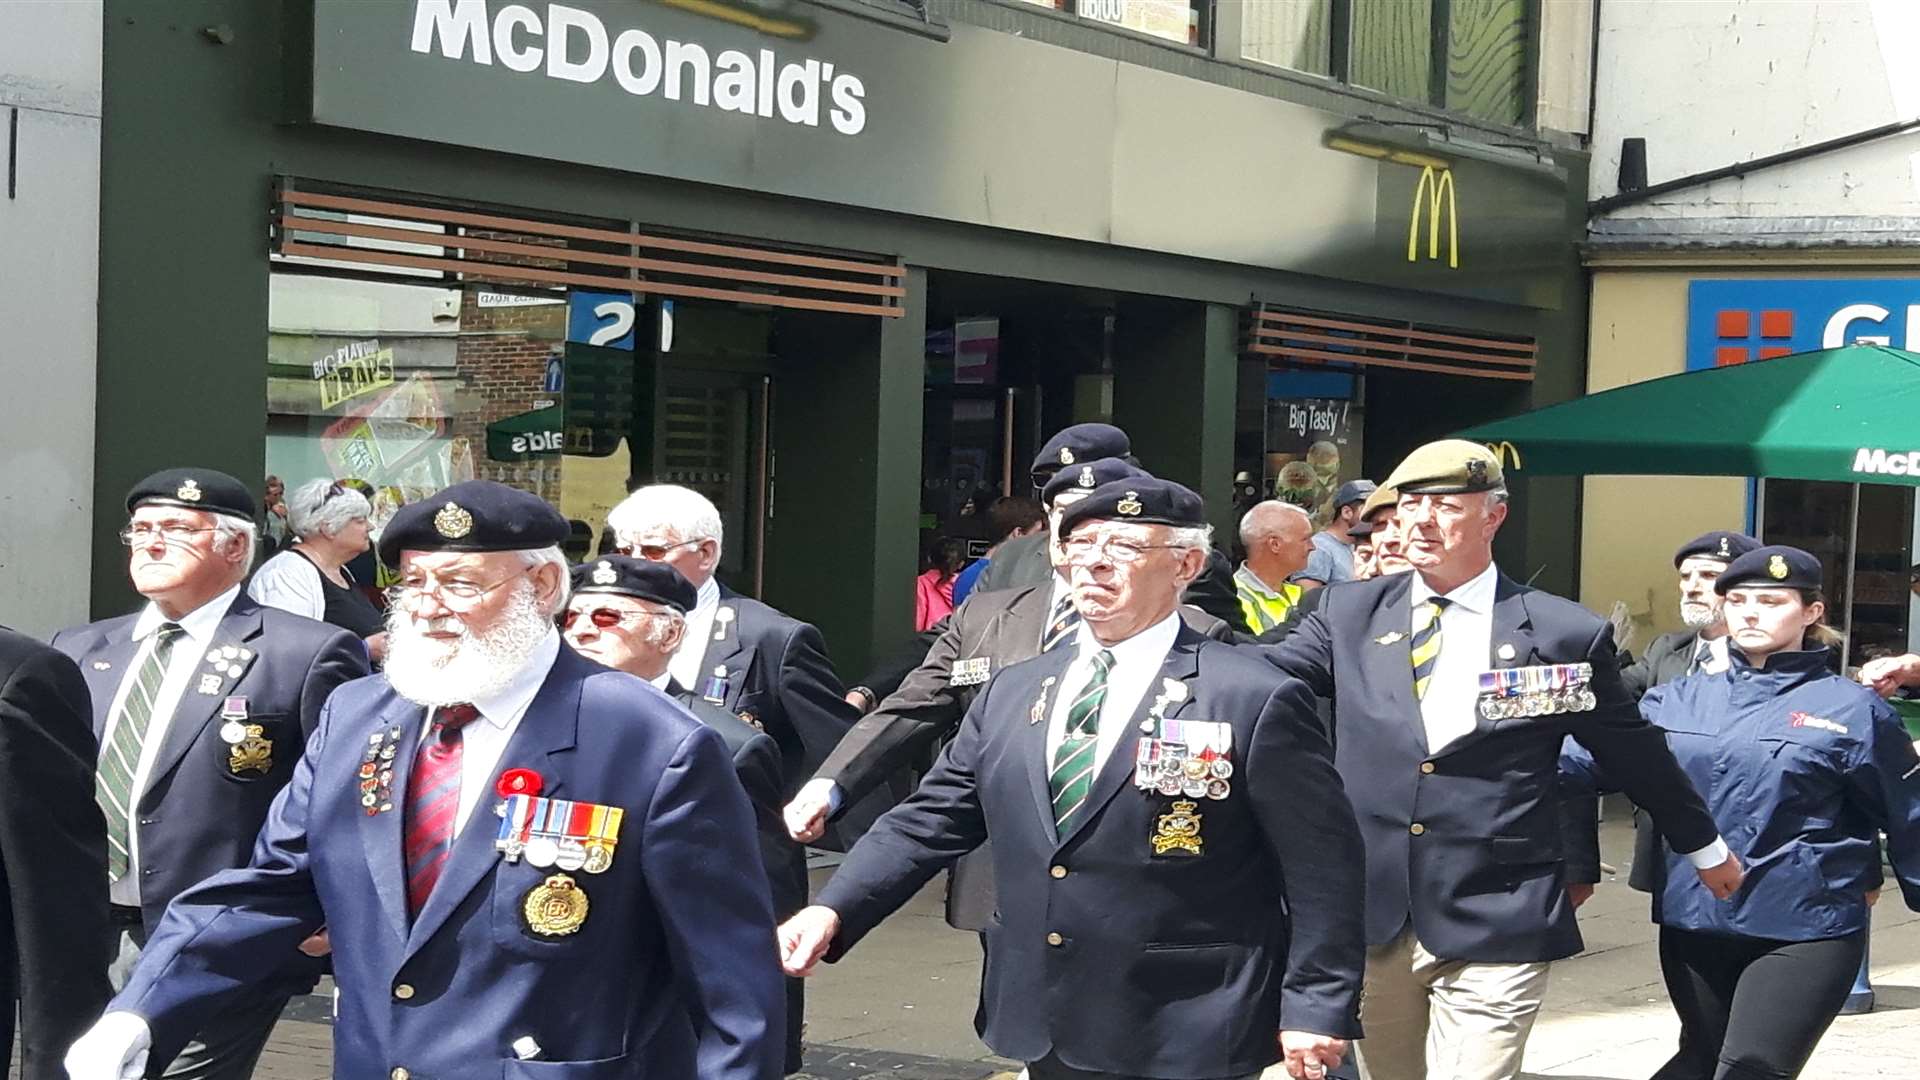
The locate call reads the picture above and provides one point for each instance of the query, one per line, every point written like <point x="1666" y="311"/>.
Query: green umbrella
<point x="1849" y="414"/>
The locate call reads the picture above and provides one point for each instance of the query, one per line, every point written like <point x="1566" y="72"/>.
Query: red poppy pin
<point x="518" y="782"/>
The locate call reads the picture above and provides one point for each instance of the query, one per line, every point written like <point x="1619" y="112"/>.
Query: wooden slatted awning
<point x="345" y="230"/>
<point x="1318" y="338"/>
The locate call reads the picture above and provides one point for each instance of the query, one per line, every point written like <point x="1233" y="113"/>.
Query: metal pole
<point x="1852" y="553"/>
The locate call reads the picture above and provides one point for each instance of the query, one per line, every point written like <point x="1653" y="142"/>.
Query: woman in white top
<point x="329" y="524"/>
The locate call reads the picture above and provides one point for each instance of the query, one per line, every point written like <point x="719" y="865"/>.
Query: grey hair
<point x="687" y="513"/>
<point x="228" y="529"/>
<point x="1497" y="496"/>
<point x="552" y="556"/>
<point x="1192" y="536"/>
<point x="310" y="510"/>
<point x="658" y="629"/>
<point x="1250" y="527"/>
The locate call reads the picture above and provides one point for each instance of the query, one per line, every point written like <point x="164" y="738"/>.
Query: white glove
<point x="114" y="1048"/>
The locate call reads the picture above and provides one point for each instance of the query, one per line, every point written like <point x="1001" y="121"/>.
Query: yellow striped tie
<point x="1425" y="644"/>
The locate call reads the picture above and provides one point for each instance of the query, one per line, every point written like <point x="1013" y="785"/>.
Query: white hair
<point x="684" y="512"/>
<point x="1497" y="496"/>
<point x="1190" y="536"/>
<point x="1250" y="529"/>
<point x="658" y="630"/>
<point x="324" y="507"/>
<point x="552" y="556"/>
<point x="228" y="529"/>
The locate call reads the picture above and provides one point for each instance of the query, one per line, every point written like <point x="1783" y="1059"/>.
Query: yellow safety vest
<point x="1263" y="608"/>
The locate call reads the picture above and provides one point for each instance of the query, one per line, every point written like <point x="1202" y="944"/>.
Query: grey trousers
<point x="230" y="1045"/>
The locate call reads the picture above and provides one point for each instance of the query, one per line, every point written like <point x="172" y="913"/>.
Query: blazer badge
<point x="1178" y="830"/>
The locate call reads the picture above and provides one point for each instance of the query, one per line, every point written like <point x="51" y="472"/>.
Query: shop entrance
<point x="1863" y="535"/>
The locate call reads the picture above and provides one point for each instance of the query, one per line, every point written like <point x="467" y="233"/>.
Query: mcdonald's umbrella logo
<point x="1507" y="454"/>
<point x="1435" y="188"/>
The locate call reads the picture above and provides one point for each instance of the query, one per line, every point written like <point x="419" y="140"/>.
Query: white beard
<point x="1698" y="616"/>
<point x="470" y="668"/>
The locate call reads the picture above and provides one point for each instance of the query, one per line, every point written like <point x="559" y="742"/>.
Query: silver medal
<point x="542" y="851"/>
<point x="232" y="732"/>
<point x="572" y="855"/>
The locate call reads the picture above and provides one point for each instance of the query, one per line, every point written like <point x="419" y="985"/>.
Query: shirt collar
<point x="707" y="596"/>
<point x="507" y="705"/>
<point x="1476" y="595"/>
<point x="1246" y="576"/>
<point x="661" y="680"/>
<point x="1148" y="646"/>
<point x="200" y="623"/>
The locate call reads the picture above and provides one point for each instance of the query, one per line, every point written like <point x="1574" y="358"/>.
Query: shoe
<point x="1858" y="1004"/>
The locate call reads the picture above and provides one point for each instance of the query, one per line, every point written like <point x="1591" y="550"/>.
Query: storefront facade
<point x="839" y="267"/>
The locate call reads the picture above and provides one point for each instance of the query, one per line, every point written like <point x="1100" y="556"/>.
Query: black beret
<point x="1719" y="544"/>
<point x="1776" y="565"/>
<point x="1087" y="476"/>
<point x="474" y="515"/>
<point x="195" y="489"/>
<point x="1142" y="498"/>
<point x="1081" y="442"/>
<point x="644" y="579"/>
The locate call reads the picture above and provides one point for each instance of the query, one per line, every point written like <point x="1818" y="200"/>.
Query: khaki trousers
<point x="1433" y="1019"/>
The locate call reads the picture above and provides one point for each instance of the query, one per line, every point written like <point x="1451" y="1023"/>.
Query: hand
<point x="1887" y="674"/>
<point x="1873" y="897"/>
<point x="861" y="699"/>
<point x="1309" y="1056"/>
<point x="1579" y="892"/>
<point x="377" y="648"/>
<point x="317" y="945"/>
<point x="114" y="1048"/>
<point x="805" y="937"/>
<point x="1724" y="880"/>
<point x="808" y="812"/>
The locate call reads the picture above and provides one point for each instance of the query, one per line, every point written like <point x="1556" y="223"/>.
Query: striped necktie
<point x="1071" y="779"/>
<point x="433" y="801"/>
<point x="120" y="759"/>
<point x="1061" y="623"/>
<point x="1701" y="657"/>
<point x="1425" y="644"/>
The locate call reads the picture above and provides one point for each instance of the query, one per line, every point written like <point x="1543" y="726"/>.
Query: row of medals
<point x="564" y="853"/>
<point x="1541" y="703"/>
<point x="1196" y="778"/>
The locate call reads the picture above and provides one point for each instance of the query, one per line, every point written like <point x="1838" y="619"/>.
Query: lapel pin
<point x="101" y="665"/>
<point x="1175" y="689"/>
<point x="1506" y="650"/>
<point x="1388" y="639"/>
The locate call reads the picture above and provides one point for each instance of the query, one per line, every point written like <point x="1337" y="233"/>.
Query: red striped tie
<point x="433" y="802"/>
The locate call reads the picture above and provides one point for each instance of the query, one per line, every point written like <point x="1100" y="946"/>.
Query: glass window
<point x="1392" y="47"/>
<point x="1174" y="20"/>
<point x="1296" y="34"/>
<point x="1487" y="59"/>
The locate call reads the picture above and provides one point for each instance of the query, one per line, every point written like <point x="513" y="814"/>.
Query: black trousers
<point x="1752" y="1008"/>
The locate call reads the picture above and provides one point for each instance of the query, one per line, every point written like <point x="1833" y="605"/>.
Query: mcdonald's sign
<point x="1434" y="190"/>
<point x="1507" y="454"/>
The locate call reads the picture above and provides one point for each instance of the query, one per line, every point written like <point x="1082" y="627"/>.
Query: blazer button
<point x="1417" y="829"/>
<point x="1426" y="767"/>
<point x="1058" y="872"/>
<point x="1055" y="939"/>
<point x="399" y="1073"/>
<point x="403" y="992"/>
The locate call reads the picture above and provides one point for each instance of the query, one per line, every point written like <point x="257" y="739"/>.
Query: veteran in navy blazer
<point x="202" y="704"/>
<point x="1201" y="933"/>
<point x="572" y="941"/>
<point x="1458" y="800"/>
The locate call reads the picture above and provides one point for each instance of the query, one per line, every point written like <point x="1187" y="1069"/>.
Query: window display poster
<point x="1313" y="446"/>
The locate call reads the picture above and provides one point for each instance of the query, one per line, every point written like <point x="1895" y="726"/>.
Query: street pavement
<point x="901" y="1006"/>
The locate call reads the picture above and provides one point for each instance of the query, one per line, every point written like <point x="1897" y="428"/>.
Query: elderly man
<point x="456" y="822"/>
<point x="1702" y="646"/>
<point x="630" y="614"/>
<point x="746" y="657"/>
<point x="1278" y="537"/>
<point x="1178" y="869"/>
<point x="986" y="635"/>
<point x="1453" y="688"/>
<point x="202" y="704"/>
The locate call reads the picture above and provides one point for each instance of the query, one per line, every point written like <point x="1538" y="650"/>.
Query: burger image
<point x="1297" y="484"/>
<point x="1324" y="457"/>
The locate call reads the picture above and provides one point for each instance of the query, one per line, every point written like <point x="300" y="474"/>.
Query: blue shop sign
<point x="1735" y="320"/>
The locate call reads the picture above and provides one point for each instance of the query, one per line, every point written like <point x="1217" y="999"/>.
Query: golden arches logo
<point x="1435" y="188"/>
<point x="1507" y="454"/>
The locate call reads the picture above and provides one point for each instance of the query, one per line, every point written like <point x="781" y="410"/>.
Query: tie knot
<point x="1440" y="603"/>
<point x="448" y="719"/>
<point x="167" y="631"/>
<point x="1103" y="661"/>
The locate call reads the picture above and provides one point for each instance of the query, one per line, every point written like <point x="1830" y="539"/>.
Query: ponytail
<point x="1820" y="633"/>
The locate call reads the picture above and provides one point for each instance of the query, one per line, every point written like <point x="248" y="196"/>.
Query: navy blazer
<point x="674" y="973"/>
<point x="1483" y="877"/>
<point x="778" y="679"/>
<point x="197" y="816"/>
<point x="1106" y="955"/>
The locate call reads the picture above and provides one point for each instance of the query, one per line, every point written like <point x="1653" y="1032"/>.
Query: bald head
<point x="1278" y="537"/>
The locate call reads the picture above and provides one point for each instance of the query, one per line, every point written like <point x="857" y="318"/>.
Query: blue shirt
<point x="963" y="583"/>
<point x="1801" y="769"/>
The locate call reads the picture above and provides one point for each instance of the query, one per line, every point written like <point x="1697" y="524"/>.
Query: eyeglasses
<point x="604" y="618"/>
<point x="1109" y="549"/>
<point x="171" y="532"/>
<point x="651" y="552"/>
<point x="455" y="595"/>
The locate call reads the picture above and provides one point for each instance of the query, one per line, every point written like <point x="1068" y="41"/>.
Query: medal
<point x="572" y="855"/>
<point x="556" y="907"/>
<point x="232" y="732"/>
<point x="543" y="851"/>
<point x="1194" y="769"/>
<point x="1218" y="789"/>
<point x="599" y="858"/>
<point x="1168" y="785"/>
<point x="1221" y="768"/>
<point x="1194" y="789"/>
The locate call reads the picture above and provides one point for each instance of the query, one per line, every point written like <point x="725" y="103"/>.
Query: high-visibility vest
<point x="1263" y="607"/>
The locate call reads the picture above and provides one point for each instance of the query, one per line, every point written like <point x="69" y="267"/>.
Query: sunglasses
<point x="652" y="552"/>
<point x="602" y="617"/>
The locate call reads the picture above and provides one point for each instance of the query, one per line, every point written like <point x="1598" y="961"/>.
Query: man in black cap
<point x="631" y="615"/>
<point x="202" y="704"/>
<point x="1332" y="558"/>
<point x="463" y="823"/>
<point x="1024" y="562"/>
<point x="1179" y="871"/>
<point x="1702" y="646"/>
<point x="1453" y="689"/>
<point x="985" y="635"/>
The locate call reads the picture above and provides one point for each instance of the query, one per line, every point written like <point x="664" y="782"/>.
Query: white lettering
<point x="648" y="78"/>
<point x="733" y="86"/>
<point x="1882" y="463"/>
<point x="504" y="23"/>
<point x="561" y="23"/>
<point x="849" y="111"/>
<point x="682" y="56"/>
<point x="800" y="93"/>
<point x="767" y="70"/>
<point x="537" y="442"/>
<point x="459" y="27"/>
<point x="1835" y="334"/>
<point x="621" y="312"/>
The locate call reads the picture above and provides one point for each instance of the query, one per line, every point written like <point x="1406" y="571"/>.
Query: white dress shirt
<point x="1451" y="706"/>
<point x="485" y="737"/>
<point x="1716" y="660"/>
<point x="685" y="665"/>
<point x="188" y="650"/>
<point x="1136" y="664"/>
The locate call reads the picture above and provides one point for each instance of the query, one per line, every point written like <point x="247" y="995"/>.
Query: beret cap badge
<point x="1086" y="476"/>
<point x="604" y="574"/>
<point x="453" y="522"/>
<point x="1066" y="455"/>
<point x="188" y="490"/>
<point x="1725" y="550"/>
<point x="1129" y="506"/>
<point x="1777" y="567"/>
<point x="1476" y="471"/>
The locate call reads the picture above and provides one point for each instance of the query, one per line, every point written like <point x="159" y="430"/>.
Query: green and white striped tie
<point x="120" y="758"/>
<point x="1071" y="779"/>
